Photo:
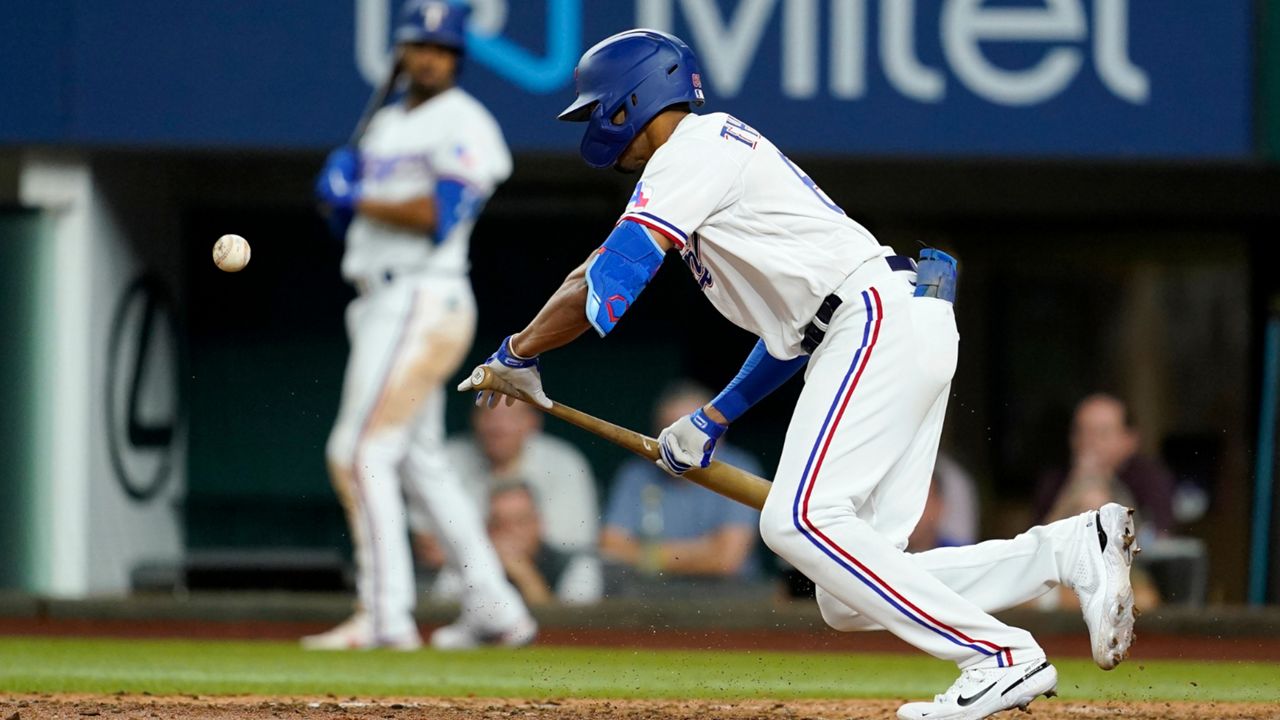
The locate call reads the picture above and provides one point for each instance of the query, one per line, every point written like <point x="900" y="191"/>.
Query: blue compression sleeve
<point x="455" y="203"/>
<point x="760" y="375"/>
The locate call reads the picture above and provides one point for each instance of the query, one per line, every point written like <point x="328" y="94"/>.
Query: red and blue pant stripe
<point x="841" y="556"/>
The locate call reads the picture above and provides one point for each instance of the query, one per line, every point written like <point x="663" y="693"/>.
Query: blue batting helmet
<point x="646" y="71"/>
<point x="433" y="21"/>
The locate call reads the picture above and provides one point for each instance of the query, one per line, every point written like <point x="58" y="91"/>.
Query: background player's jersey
<point x="403" y="154"/>
<point x="763" y="241"/>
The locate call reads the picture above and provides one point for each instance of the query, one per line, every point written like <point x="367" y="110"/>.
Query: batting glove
<point x="339" y="183"/>
<point x="688" y="443"/>
<point x="523" y="373"/>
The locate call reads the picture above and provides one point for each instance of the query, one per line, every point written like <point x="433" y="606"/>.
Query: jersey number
<point x="809" y="183"/>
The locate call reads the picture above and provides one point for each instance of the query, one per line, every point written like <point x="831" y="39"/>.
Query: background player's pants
<point x="856" y="465"/>
<point x="407" y="338"/>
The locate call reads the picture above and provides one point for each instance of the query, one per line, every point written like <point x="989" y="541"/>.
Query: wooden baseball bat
<point x="377" y="99"/>
<point x="727" y="480"/>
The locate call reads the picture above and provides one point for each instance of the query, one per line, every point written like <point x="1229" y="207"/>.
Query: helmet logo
<point x="697" y="86"/>
<point x="433" y="16"/>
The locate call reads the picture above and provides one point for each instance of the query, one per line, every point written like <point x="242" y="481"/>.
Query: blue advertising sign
<point x="1072" y="78"/>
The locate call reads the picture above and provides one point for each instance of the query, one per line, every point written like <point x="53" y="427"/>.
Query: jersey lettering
<point x="701" y="273"/>
<point x="737" y="130"/>
<point x="809" y="183"/>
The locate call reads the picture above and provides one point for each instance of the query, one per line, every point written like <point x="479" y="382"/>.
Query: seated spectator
<point x="1107" y="467"/>
<point x="541" y="573"/>
<point x="656" y="522"/>
<point x="507" y="446"/>
<point x="950" y="516"/>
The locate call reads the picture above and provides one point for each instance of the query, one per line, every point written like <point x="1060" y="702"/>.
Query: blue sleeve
<point x="624" y="508"/>
<point x="456" y="202"/>
<point x="760" y="375"/>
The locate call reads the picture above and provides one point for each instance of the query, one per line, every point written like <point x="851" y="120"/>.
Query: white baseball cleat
<point x="356" y="633"/>
<point x="464" y="636"/>
<point x="1101" y="581"/>
<point x="982" y="692"/>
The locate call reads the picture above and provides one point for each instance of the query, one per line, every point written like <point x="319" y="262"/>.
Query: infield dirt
<point x="49" y="707"/>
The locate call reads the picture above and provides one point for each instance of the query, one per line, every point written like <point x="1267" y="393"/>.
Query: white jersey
<point x="763" y="241"/>
<point x="403" y="154"/>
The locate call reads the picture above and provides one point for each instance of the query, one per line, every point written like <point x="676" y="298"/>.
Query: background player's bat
<point x="376" y="100"/>
<point x="727" y="480"/>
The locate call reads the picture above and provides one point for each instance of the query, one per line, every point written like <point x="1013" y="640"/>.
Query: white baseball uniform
<point x="410" y="328"/>
<point x="767" y="246"/>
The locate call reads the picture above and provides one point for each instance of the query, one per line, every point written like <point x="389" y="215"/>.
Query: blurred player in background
<point x="776" y="256"/>
<point x="424" y="168"/>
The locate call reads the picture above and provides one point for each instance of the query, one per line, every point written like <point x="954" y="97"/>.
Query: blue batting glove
<point x="338" y="185"/>
<point x="688" y="443"/>
<point x="523" y="373"/>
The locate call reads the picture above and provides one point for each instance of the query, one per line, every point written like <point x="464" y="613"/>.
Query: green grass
<point x="226" y="668"/>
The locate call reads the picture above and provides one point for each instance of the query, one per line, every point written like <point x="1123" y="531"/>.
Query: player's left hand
<point x="523" y="373"/>
<point x="339" y="183"/>
<point x="688" y="443"/>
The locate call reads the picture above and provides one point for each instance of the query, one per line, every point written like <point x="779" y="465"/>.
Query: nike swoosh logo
<point x="967" y="701"/>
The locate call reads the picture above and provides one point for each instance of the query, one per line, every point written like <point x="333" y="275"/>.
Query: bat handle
<point x="483" y="378"/>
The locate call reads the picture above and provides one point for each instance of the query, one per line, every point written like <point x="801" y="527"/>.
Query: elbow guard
<point x="616" y="274"/>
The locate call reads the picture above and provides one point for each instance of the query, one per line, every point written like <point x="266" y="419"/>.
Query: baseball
<point x="231" y="253"/>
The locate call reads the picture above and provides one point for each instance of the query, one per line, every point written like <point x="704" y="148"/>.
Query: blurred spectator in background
<point x="540" y="572"/>
<point x="656" y="522"/>
<point x="1107" y="467"/>
<point x="950" y="517"/>
<point x="507" y="446"/>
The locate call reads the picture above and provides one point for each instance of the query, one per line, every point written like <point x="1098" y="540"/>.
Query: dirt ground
<point x="142" y="707"/>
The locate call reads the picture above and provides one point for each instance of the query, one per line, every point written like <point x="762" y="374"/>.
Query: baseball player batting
<point x="412" y="190"/>
<point x="876" y="337"/>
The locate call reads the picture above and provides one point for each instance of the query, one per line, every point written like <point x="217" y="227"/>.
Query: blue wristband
<point x="712" y="428"/>
<point x="760" y="375"/>
<point x="508" y="357"/>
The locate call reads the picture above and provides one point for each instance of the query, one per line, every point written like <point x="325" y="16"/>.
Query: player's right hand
<point x="688" y="443"/>
<point x="523" y="373"/>
<point x="339" y="183"/>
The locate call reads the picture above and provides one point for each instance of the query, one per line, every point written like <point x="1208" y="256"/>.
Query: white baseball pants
<point x="407" y="338"/>
<point x="854" y="476"/>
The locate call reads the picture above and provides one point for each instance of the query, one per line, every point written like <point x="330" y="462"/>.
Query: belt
<point x="816" y="330"/>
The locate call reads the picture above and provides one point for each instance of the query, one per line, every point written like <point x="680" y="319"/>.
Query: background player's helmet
<point x="438" y="22"/>
<point x="645" y="70"/>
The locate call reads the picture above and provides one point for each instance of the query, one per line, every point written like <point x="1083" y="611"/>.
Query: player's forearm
<point x="560" y="321"/>
<point x="417" y="214"/>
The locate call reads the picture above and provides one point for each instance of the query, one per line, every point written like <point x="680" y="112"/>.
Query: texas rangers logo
<point x="640" y="198"/>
